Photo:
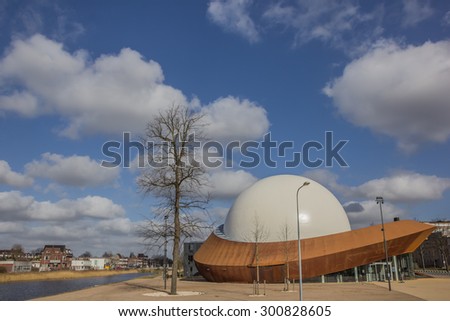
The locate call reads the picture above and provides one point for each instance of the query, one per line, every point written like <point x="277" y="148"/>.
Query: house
<point x="190" y="248"/>
<point x="144" y="259"/>
<point x="55" y="257"/>
<point x="5" y="254"/>
<point x="81" y="264"/>
<point x="36" y="264"/>
<point x="100" y="263"/>
<point x="22" y="266"/>
<point x="16" y="266"/>
<point x="135" y="263"/>
<point x="7" y="266"/>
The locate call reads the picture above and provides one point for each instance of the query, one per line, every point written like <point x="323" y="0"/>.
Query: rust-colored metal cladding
<point x="221" y="260"/>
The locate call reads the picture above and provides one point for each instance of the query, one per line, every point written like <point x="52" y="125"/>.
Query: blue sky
<point x="74" y="75"/>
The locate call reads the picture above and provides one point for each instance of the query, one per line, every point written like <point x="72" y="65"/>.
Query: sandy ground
<point x="151" y="289"/>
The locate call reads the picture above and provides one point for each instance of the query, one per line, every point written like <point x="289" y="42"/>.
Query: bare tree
<point x="174" y="177"/>
<point x="442" y="243"/>
<point x="285" y="231"/>
<point x="17" y="251"/>
<point x="86" y="254"/>
<point x="107" y="254"/>
<point x="257" y="235"/>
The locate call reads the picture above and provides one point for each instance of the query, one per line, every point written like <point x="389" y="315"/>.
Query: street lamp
<point x="380" y="201"/>
<point x="300" y="292"/>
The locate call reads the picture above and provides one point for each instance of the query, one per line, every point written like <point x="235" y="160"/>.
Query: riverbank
<point x="59" y="275"/>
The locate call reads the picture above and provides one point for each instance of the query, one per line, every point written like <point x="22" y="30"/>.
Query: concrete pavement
<point x="151" y="289"/>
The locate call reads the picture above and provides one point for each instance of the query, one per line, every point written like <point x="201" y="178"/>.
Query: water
<point x="21" y="291"/>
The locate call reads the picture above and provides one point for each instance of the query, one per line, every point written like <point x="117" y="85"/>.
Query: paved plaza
<point x="151" y="289"/>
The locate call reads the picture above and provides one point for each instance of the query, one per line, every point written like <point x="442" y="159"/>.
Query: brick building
<point x="55" y="257"/>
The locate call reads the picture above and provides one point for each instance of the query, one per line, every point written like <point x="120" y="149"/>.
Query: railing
<point x="433" y="272"/>
<point x="219" y="232"/>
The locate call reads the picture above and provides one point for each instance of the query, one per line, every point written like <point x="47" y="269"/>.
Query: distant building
<point x="35" y="264"/>
<point x="7" y="265"/>
<point x="189" y="267"/>
<point x="5" y="254"/>
<point x="119" y="262"/>
<point x="135" y="263"/>
<point x="16" y="266"/>
<point x="81" y="264"/>
<point x="441" y="226"/>
<point x="434" y="252"/>
<point x="55" y="257"/>
<point x="100" y="263"/>
<point x="144" y="259"/>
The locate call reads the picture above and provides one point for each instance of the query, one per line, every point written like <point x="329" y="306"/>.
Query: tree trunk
<point x="175" y="254"/>
<point x="177" y="183"/>
<point x="176" y="258"/>
<point x="176" y="238"/>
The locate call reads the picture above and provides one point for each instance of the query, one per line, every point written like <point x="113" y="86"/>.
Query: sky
<point x="74" y="75"/>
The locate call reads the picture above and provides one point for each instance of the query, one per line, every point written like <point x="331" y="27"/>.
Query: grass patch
<point x="58" y="275"/>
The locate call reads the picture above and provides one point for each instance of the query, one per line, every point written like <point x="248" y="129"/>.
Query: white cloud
<point x="11" y="228"/>
<point x="233" y="16"/>
<point x="341" y="24"/>
<point x="404" y="187"/>
<point x="74" y="170"/>
<point x="324" y="177"/>
<point x="11" y="178"/>
<point x="120" y="225"/>
<point x="94" y="206"/>
<point x="22" y="103"/>
<point x="110" y="94"/>
<point x="219" y="214"/>
<point x="14" y="206"/>
<point x="415" y="11"/>
<point x="399" y="187"/>
<point x="30" y="19"/>
<point x="446" y="19"/>
<point x="398" y="91"/>
<point x="231" y="118"/>
<point x="363" y="214"/>
<point x="224" y="183"/>
<point x="96" y="236"/>
<point x="40" y="16"/>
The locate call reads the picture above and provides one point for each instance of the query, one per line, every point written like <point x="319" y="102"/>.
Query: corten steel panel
<point x="221" y="260"/>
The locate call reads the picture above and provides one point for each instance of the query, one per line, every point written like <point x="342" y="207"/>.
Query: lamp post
<point x="380" y="201"/>
<point x="300" y="291"/>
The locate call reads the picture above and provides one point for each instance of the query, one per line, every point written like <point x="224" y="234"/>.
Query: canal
<point x="27" y="290"/>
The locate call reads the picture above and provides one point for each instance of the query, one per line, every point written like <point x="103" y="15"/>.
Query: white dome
<point x="270" y="205"/>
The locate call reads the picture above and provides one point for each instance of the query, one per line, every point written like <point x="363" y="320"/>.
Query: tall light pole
<point x="300" y="285"/>
<point x="380" y="201"/>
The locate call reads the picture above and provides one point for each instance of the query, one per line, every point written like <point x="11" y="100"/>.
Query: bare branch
<point x="176" y="181"/>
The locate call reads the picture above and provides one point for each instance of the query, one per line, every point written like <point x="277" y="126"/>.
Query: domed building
<point x="272" y="203"/>
<point x="260" y="231"/>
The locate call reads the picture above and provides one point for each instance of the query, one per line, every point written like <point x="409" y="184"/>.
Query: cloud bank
<point x="11" y="178"/>
<point x="398" y="91"/>
<point x="79" y="171"/>
<point x="108" y="95"/>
